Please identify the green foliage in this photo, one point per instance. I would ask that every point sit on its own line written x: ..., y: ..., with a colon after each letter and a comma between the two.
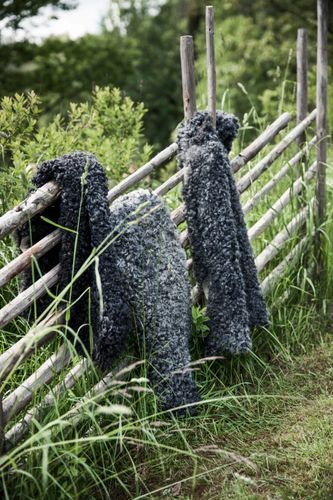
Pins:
x: 256, y: 56
x: 255, y: 47
x: 15, y: 11
x: 109, y: 127
x: 154, y: 31
x: 200, y: 320
x: 63, y: 71
x: 141, y: 58
x: 18, y: 122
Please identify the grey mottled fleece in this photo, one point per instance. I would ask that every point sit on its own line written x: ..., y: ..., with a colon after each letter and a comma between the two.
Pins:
x: 143, y: 276
x: 221, y: 251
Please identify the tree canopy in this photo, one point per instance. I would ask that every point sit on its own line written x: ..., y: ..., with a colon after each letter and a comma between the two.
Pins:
x: 255, y: 56
x: 14, y: 11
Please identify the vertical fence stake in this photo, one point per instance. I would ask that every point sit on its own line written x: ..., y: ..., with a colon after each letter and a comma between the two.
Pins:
x: 211, y: 70
x: 301, y: 95
x: 188, y: 78
x: 321, y: 102
x: 302, y: 79
x: 2, y: 430
x: 189, y: 100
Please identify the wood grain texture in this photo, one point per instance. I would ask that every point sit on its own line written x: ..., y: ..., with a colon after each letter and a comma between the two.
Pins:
x: 302, y: 80
x: 22, y: 395
x: 264, y: 138
x: 2, y: 427
x: 259, y: 195
x: 170, y: 183
x: 26, y: 298
x: 23, y: 261
x: 37, y: 336
x: 32, y: 205
x: 269, y: 159
x: 283, y: 236
x: 210, y: 57
x: 321, y: 103
x: 270, y: 281
x: 188, y: 76
x: 21, y: 428
x: 157, y: 161
x: 271, y: 214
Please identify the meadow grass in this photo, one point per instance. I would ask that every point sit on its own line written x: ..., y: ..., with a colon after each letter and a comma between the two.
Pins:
x: 262, y: 430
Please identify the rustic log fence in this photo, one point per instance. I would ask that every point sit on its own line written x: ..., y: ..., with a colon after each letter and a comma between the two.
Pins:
x: 13, y: 404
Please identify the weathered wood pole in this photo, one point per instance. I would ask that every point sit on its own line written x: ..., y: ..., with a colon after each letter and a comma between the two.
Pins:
x: 278, y: 149
x: 259, y: 195
x: 321, y: 99
x: 189, y: 98
x: 188, y: 81
x: 279, y: 205
x: 21, y: 428
x: 24, y: 393
x: 270, y: 280
x: 2, y: 425
x: 188, y: 77
x: 302, y: 79
x: 301, y: 95
x: 273, y: 248
x: 211, y: 70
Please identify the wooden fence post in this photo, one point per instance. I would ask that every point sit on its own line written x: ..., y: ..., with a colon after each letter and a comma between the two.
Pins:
x: 302, y: 79
x: 2, y: 426
x: 211, y: 71
x: 188, y: 77
x: 188, y: 81
x: 301, y: 95
x: 321, y: 103
x: 189, y: 99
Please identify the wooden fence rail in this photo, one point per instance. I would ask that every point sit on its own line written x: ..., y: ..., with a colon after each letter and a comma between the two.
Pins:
x: 259, y: 195
x: 110, y: 380
x: 21, y: 428
x: 274, y: 276
x: 26, y: 298
x: 273, y: 248
x: 279, y: 205
x: 22, y: 395
x: 266, y: 162
x: 40, y: 248
x: 37, y: 336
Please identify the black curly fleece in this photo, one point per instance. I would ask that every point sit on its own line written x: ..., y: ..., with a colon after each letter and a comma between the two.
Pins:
x: 142, y: 272
x: 75, y: 172
x: 222, y: 255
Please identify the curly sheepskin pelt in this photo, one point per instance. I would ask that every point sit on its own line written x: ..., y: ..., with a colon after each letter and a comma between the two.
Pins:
x: 138, y: 281
x: 223, y: 260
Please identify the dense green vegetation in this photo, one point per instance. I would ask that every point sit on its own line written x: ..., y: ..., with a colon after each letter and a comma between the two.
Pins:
x: 255, y: 47
x: 13, y: 12
x: 110, y: 126
x: 264, y: 427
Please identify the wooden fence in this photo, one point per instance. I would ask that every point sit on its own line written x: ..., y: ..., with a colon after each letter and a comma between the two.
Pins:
x: 13, y: 404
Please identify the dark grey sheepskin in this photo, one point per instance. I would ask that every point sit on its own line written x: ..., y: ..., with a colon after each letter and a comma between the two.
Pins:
x: 152, y: 267
x: 222, y: 255
x: 142, y: 273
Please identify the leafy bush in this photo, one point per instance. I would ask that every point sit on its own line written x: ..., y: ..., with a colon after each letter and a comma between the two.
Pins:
x: 110, y: 127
